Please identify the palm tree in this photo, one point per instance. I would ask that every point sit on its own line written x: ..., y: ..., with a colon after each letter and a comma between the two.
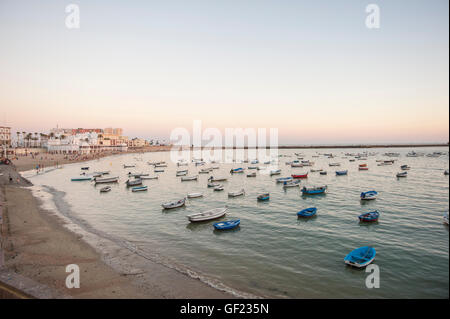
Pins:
x: 18, y: 139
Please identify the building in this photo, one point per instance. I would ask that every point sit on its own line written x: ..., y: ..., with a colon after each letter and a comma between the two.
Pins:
x: 5, y: 136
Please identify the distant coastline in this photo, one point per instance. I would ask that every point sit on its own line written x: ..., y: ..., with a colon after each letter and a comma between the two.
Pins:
x: 333, y: 146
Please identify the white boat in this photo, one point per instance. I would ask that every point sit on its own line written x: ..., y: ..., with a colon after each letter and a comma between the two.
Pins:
x: 208, y: 215
x: 275, y: 172
x: 160, y: 165
x: 217, y: 179
x: 251, y: 174
x: 205, y: 170
x: 194, y: 195
x: 106, y: 180
x: 182, y: 173
x: 334, y: 164
x: 235, y: 194
x: 189, y: 178
x: 174, y: 204
x: 213, y: 184
x: 292, y: 183
x: 158, y: 171
x: 105, y: 189
x: 219, y: 188
x: 296, y: 165
x: 149, y: 177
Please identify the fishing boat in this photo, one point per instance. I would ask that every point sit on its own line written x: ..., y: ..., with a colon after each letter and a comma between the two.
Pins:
x: 314, y: 190
x: 237, y: 170
x: 218, y: 188
x: 300, y: 175
x: 323, y: 173
x: 129, y: 166
x: 181, y: 163
x: 253, y: 167
x: 307, y: 212
x: 217, y: 179
x: 275, y: 172
x: 213, y: 184
x: 81, y: 178
x: 106, y: 180
x: 369, y: 217
x: 263, y: 197
x: 230, y: 224
x: 340, y: 173
x: 174, y: 204
x: 199, y: 163
x: 360, y: 257
x: 149, y: 177
x: 370, y: 195
x: 85, y: 168
x: 135, y: 182
x: 237, y: 193
x: 405, y: 167
x: 363, y: 168
x: 189, y: 178
x: 292, y: 183
x: 205, y: 170
x: 316, y: 170
x: 105, y: 189
x: 139, y: 188
x: 158, y: 171
x: 161, y: 165
x: 362, y: 165
x: 251, y: 174
x: 297, y: 165
x: 446, y: 218
x: 402, y: 174
x: 208, y: 215
x: 334, y: 164
x: 284, y: 179
x: 194, y: 195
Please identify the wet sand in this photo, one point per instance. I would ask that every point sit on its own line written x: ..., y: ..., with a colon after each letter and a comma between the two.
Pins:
x: 37, y: 246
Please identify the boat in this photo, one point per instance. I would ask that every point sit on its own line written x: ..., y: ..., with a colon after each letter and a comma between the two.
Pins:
x: 446, y: 172
x: 402, y: 174
x: 263, y: 197
x: 307, y: 212
x: 205, y: 170
x: 252, y: 167
x: 213, y: 184
x: 334, y: 164
x: 137, y: 175
x: 229, y: 224
x: 218, y: 188
x: 189, y: 178
x: 81, y: 178
x: 300, y: 175
x: 85, y: 168
x: 297, y: 165
x: 105, y: 189
x: 102, y: 172
x: 370, y: 195
x: 323, y: 173
x: 292, y: 183
x: 199, y: 163
x: 363, y: 168
x: 236, y: 194
x: 405, y: 167
x: 182, y: 164
x: 314, y: 190
x: 139, y: 188
x: 284, y: 179
x: 161, y: 165
x: 316, y: 170
x: 208, y: 215
x: 182, y: 172
x: 194, y: 195
x: 174, y: 204
x: 446, y: 218
x: 275, y: 172
x: 135, y: 182
x: 149, y: 177
x: 360, y: 257
x: 340, y: 173
x: 369, y: 217
x: 158, y: 171
x: 128, y: 166
x: 254, y: 161
x: 251, y: 174
x: 217, y: 179
x: 237, y: 170
x: 106, y: 180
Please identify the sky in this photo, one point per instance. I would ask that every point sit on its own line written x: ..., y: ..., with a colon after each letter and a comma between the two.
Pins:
x: 312, y: 69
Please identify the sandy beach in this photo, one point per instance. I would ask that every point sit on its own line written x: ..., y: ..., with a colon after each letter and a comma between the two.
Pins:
x: 37, y: 248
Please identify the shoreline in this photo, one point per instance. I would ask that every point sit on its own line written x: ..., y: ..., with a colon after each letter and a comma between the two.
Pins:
x: 39, y: 243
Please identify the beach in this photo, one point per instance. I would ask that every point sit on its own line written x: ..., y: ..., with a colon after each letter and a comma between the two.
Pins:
x: 37, y: 247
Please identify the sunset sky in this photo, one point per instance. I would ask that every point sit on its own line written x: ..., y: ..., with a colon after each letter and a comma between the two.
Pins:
x: 312, y: 69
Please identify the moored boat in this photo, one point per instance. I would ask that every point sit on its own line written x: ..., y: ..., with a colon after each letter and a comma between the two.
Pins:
x: 340, y: 173
x: 402, y: 174
x: 360, y: 257
x: 446, y: 218
x: 194, y: 195
x: 314, y: 190
x: 370, y: 195
x: 105, y: 189
x: 189, y: 178
x: 369, y: 217
x: 364, y: 168
x: 275, y: 172
x: 251, y: 174
x: 307, y: 212
x: 230, y: 224
x: 237, y: 193
x: 217, y: 179
x: 405, y: 167
x: 208, y: 215
x: 174, y: 204
x: 218, y: 188
x: 292, y: 183
x: 139, y: 188
x: 237, y: 170
x: 263, y: 197
x: 300, y: 175
x: 106, y: 180
x: 135, y: 182
x: 323, y: 173
x: 81, y: 178
x: 149, y: 177
x: 213, y: 184
x: 284, y: 179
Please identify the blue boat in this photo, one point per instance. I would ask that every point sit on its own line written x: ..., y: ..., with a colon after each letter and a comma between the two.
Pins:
x: 263, y: 197
x: 369, y: 217
x: 340, y: 173
x: 360, y: 257
x: 81, y: 178
x: 139, y: 188
x: 307, y: 212
x: 237, y: 170
x: 230, y: 224
x: 284, y: 179
x: 314, y: 190
x: 368, y: 195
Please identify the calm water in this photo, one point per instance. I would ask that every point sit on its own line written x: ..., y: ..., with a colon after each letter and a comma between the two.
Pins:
x: 273, y: 253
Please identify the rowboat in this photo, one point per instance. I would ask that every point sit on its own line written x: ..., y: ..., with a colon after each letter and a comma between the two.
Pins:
x: 139, y: 189
x: 405, y: 167
x: 189, y: 178
x: 369, y: 217
x: 307, y: 212
x: 300, y: 175
x: 106, y: 180
x: 174, y: 204
x: 263, y: 197
x: 323, y: 173
x: 128, y: 166
x: 314, y: 190
x: 237, y: 170
x: 316, y: 170
x: 236, y: 194
x: 135, y: 182
x: 149, y: 177
x: 137, y: 175
x: 182, y: 164
x: 253, y: 167
x: 275, y: 172
x: 199, y: 163
x: 254, y: 162
x: 284, y: 179
x: 81, y: 178
x: 370, y: 195
x: 402, y: 174
x: 218, y: 188
x: 446, y: 172
x: 102, y: 172
x: 161, y: 165
x: 446, y: 218
x: 360, y: 257
x: 364, y: 168
x: 217, y: 179
x: 340, y: 173
x: 205, y: 170
x: 208, y: 215
x: 292, y: 183
x: 158, y: 171
x: 105, y: 189
x: 194, y: 195
x: 213, y: 184
x: 251, y: 174
x: 230, y: 224
x: 334, y: 164
x: 297, y: 165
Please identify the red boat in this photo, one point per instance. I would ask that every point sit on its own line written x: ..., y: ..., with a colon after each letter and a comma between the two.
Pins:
x: 300, y: 176
x: 364, y: 168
